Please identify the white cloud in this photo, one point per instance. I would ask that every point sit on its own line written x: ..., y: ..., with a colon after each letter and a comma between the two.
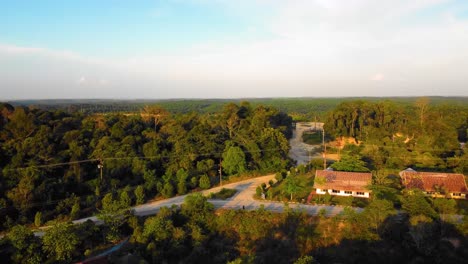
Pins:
x: 17, y: 50
x: 312, y: 45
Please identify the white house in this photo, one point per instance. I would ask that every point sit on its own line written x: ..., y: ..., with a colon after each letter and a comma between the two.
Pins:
x: 343, y: 183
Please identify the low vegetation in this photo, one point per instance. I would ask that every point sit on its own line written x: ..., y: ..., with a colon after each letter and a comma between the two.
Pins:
x: 223, y: 194
x: 312, y: 138
x: 195, y: 233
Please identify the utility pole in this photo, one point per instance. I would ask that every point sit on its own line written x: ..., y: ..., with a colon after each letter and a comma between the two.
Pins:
x: 324, y: 150
x: 220, y: 173
x: 100, y: 166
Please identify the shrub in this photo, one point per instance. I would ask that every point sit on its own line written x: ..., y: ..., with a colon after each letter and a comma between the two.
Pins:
x: 205, y: 182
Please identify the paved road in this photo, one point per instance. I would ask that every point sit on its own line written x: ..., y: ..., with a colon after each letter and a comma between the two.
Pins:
x: 243, y: 198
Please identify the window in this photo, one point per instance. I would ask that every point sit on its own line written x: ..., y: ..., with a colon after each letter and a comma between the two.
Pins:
x: 348, y: 192
x: 360, y: 193
x: 335, y: 191
x: 456, y: 194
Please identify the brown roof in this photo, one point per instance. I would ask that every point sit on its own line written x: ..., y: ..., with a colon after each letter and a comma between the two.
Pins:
x: 434, y: 182
x: 342, y: 180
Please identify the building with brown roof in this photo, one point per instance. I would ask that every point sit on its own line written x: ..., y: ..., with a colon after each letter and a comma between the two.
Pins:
x: 436, y: 184
x: 343, y: 183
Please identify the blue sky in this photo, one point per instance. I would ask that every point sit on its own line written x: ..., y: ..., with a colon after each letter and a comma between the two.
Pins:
x: 225, y: 49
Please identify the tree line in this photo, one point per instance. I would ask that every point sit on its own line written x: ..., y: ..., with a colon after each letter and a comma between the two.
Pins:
x: 61, y: 164
x: 393, y: 136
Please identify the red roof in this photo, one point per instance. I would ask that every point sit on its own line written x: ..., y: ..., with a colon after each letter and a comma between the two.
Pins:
x: 434, y: 181
x: 342, y: 180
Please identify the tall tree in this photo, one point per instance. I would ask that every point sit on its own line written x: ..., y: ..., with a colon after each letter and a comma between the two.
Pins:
x: 26, y: 245
x: 233, y: 159
x: 61, y: 241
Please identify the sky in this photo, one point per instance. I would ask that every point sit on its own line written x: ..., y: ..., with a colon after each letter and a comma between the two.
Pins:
x: 160, y: 49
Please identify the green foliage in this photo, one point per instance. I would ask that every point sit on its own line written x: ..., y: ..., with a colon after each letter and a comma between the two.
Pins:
x: 312, y: 138
x: 61, y: 241
x: 223, y: 194
x: 279, y: 176
x: 385, y: 193
x: 125, y: 199
x: 180, y: 146
x: 168, y: 190
x: 75, y: 210
x: 205, y: 182
x: 445, y: 207
x: 158, y: 228
x: 139, y: 194
x: 197, y: 208
x: 233, y: 160
x: 377, y: 211
x: 196, y: 202
x: 305, y: 260
x: 396, y: 135
x: 258, y: 191
x: 350, y: 163
x: 38, y: 219
x: 182, y: 176
x: 26, y: 245
x: 114, y: 214
x: 292, y: 185
x: 414, y: 202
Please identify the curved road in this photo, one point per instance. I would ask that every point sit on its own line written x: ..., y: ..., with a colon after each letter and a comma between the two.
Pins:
x: 244, y: 197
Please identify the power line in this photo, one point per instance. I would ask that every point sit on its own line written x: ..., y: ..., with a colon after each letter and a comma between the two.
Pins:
x: 130, y: 158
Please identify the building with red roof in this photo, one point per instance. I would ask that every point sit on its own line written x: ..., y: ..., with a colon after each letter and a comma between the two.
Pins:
x: 436, y: 184
x: 343, y: 183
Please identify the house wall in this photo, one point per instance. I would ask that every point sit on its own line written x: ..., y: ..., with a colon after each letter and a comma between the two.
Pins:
x: 463, y: 196
x: 320, y: 191
x: 341, y: 193
x: 439, y: 195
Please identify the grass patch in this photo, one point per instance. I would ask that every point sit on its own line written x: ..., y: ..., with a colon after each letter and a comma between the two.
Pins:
x: 312, y: 138
x: 277, y: 192
x: 223, y: 194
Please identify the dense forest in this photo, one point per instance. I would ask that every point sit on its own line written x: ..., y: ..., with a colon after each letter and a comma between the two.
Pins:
x: 301, y: 109
x: 61, y: 164
x: 392, y: 136
x: 58, y: 165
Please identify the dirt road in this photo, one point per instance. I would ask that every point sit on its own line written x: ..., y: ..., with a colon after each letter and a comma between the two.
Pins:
x: 299, y: 150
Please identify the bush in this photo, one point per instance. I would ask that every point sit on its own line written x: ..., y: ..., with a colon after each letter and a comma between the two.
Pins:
x: 279, y: 176
x: 271, y: 183
x: 38, y: 219
x: 258, y: 191
x: 140, y: 194
x: 224, y: 194
x: 205, y: 182
x: 168, y: 190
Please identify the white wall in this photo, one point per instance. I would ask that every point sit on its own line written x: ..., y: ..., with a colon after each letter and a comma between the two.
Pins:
x: 342, y: 193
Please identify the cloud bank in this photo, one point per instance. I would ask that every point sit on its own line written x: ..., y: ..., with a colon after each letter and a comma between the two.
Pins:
x: 312, y: 48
